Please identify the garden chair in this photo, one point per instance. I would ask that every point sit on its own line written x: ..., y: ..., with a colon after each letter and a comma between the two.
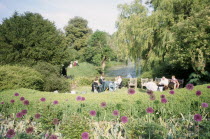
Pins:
x: 143, y: 82
x: 132, y: 83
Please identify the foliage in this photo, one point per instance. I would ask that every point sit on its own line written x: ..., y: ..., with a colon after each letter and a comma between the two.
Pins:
x: 12, y: 77
x: 28, y: 38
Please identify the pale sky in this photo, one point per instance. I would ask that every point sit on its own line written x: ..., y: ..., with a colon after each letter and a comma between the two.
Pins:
x: 101, y: 14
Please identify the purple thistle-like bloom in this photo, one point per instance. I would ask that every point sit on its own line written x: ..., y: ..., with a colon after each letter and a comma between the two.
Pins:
x: 149, y: 92
x: 12, y: 101
x: 162, y: 96
x: 16, y: 94
x: 149, y: 110
x: 24, y: 112
x: 29, y: 130
x: 85, y: 135
x: 55, y: 102
x: 197, y: 117
x: 10, y: 133
x: 53, y: 137
x: 46, y: 135
x: 124, y: 119
x: 55, y: 121
x: 79, y: 98
x: 103, y: 104
x: 37, y: 116
x: 152, y: 97
x: 19, y: 115
x: 189, y: 86
x: 22, y: 98
x: 115, y: 113
x: 2, y: 102
x: 208, y: 86
x: 83, y: 99
x: 164, y: 100
x: 204, y: 105
x: 172, y: 92
x: 131, y: 91
x: 43, y: 99
x: 92, y: 113
x: 198, y: 93
x: 26, y: 102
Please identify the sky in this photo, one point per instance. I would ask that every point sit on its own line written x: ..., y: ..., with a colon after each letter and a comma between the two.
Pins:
x: 100, y: 14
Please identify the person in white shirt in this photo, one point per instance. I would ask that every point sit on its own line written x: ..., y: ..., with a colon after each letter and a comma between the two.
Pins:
x: 164, y: 82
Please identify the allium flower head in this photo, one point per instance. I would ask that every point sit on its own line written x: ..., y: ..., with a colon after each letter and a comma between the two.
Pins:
x: 197, y: 117
x: 55, y: 102
x: 92, y: 113
x: 16, y: 94
x: 24, y: 112
x: 131, y: 91
x: 26, y: 102
x: 124, y: 119
x: 103, y: 104
x: 162, y: 96
x: 37, y: 116
x: 152, y: 97
x: 189, y: 86
x: 198, y: 93
x: 85, y: 135
x: 46, y: 135
x: 19, y: 115
x: 115, y: 113
x: 12, y: 101
x: 55, y: 121
x: 208, y: 86
x: 149, y: 110
x: 2, y: 102
x: 53, y: 137
x: 149, y: 92
x: 22, y: 98
x: 29, y: 130
x: 83, y: 99
x: 10, y: 133
x: 42, y: 99
x: 204, y: 105
x: 79, y: 98
x: 164, y: 100
x: 172, y: 92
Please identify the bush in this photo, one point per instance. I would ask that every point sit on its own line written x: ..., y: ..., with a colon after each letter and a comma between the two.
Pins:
x: 12, y: 77
x: 52, y: 78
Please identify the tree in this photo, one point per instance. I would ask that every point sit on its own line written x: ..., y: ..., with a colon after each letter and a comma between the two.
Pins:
x: 28, y: 38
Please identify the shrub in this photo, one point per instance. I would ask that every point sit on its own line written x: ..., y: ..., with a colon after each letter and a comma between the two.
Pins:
x: 12, y: 77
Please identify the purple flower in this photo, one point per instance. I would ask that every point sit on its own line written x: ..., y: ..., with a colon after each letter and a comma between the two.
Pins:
x: 197, y: 117
x: 10, y: 133
x: 22, y: 98
x: 198, y: 93
x: 16, y: 94
x: 55, y: 102
x: 171, y: 92
x: 79, y: 98
x: 115, y: 113
x: 131, y: 91
x: 46, y: 135
x: 92, y: 113
x: 12, y: 101
x: 2, y: 102
x: 189, y: 86
x: 19, y: 115
x: 152, y: 97
x: 103, y: 104
x: 85, y: 135
x: 204, y: 105
x: 149, y: 110
x: 149, y: 92
x: 83, y: 99
x: 53, y: 137
x: 55, y: 121
x: 24, y: 112
x: 164, y: 100
x: 37, y: 116
x: 26, y: 102
x: 124, y: 119
x: 208, y: 86
x: 162, y: 96
x: 29, y: 130
x: 42, y: 99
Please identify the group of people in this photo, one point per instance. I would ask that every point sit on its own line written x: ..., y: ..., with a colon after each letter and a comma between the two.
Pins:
x: 100, y: 84
x: 73, y: 64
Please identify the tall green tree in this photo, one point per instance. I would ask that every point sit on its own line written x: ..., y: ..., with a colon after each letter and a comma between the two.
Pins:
x: 29, y: 38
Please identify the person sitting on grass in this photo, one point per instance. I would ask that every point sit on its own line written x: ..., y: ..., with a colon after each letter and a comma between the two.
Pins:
x: 96, y: 85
